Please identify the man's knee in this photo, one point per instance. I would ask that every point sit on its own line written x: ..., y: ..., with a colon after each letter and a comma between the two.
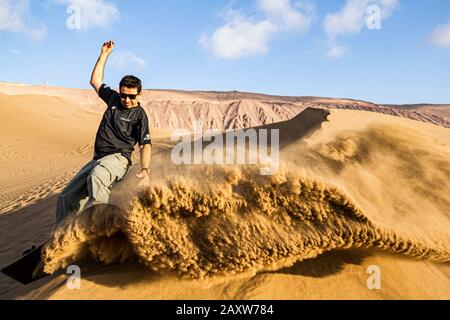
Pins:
x: 100, y: 175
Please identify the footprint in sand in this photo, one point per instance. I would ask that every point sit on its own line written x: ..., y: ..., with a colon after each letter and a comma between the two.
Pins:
x: 39, y: 192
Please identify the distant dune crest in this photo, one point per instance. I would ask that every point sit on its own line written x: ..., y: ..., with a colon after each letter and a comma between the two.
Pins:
x: 177, y: 109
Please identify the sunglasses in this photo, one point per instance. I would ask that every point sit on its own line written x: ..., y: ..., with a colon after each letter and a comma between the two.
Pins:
x: 124, y: 96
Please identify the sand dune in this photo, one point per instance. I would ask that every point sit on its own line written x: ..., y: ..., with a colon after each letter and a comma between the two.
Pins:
x: 176, y: 109
x: 355, y: 189
x: 42, y: 137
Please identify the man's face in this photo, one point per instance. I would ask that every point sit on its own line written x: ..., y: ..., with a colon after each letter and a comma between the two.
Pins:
x: 129, y: 97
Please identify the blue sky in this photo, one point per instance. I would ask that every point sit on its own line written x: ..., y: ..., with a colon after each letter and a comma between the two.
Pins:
x: 285, y: 47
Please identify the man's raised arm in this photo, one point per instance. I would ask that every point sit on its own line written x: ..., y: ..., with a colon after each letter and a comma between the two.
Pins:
x: 98, y: 73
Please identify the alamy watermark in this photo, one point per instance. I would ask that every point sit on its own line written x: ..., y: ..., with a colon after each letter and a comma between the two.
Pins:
x: 74, y: 280
x: 73, y: 22
x: 374, y: 279
x: 373, y: 17
x: 243, y: 146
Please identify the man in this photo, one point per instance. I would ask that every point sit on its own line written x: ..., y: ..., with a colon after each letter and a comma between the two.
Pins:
x: 124, y: 124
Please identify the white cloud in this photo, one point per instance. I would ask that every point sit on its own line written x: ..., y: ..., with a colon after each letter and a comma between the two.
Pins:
x: 16, y: 16
x: 337, y: 51
x: 240, y: 37
x: 287, y: 15
x: 441, y: 36
x: 352, y: 19
x: 11, y: 16
x: 127, y: 60
x: 243, y: 36
x: 93, y: 13
x: 38, y: 33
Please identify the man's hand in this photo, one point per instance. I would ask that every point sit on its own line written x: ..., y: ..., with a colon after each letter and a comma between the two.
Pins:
x: 108, y: 47
x: 99, y: 69
x: 144, y: 176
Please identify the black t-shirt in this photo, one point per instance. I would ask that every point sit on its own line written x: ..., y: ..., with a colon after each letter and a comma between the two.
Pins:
x: 121, y: 128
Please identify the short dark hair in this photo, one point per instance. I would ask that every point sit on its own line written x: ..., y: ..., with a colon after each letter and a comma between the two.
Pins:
x: 131, y: 82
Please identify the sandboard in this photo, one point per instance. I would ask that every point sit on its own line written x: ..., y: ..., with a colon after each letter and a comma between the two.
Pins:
x: 26, y: 269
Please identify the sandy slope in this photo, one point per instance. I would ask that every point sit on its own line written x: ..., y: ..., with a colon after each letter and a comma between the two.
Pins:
x: 42, y: 137
x: 391, y: 174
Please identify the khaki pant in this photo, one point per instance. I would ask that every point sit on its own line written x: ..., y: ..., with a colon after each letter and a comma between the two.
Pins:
x: 91, y: 185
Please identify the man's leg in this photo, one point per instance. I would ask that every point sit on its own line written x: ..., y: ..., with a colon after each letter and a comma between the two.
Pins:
x: 106, y: 172
x: 72, y: 197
